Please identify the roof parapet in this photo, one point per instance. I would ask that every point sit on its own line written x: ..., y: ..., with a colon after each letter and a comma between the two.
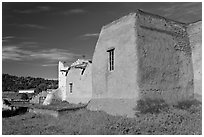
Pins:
x: 141, y: 12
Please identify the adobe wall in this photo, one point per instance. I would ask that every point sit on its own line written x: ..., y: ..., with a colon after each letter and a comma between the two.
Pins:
x: 82, y: 85
x: 195, y: 36
x: 62, y: 81
x: 115, y: 91
x: 152, y: 60
x: 121, y: 36
x: 164, y: 55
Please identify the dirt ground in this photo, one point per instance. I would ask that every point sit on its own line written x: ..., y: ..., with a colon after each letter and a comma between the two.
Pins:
x: 172, y: 121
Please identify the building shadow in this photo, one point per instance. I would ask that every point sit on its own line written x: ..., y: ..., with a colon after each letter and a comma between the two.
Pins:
x: 14, y: 112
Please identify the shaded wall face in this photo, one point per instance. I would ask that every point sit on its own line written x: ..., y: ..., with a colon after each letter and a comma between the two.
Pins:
x: 195, y: 37
x: 120, y: 82
x: 79, y: 86
x: 164, y: 55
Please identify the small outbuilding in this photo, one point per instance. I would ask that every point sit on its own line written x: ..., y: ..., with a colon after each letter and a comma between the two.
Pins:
x: 27, y: 91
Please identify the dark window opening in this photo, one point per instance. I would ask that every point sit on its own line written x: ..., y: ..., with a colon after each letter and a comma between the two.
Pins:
x: 82, y: 72
x: 70, y: 87
x: 111, y: 59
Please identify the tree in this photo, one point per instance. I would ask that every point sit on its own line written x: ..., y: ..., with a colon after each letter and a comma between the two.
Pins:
x: 40, y: 88
x: 14, y: 83
x: 24, y: 96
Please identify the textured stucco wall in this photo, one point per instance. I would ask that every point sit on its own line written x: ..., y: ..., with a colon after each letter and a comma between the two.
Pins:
x: 62, y: 81
x: 195, y: 36
x: 121, y: 36
x: 118, y: 85
x: 164, y: 55
x: 81, y: 85
x: 152, y: 60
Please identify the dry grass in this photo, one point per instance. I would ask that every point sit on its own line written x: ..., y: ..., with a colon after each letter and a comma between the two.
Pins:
x: 173, y: 121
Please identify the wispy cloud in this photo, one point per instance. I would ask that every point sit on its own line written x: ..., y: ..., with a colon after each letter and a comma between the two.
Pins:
x: 7, y: 38
x: 89, y: 35
x: 17, y: 53
x: 74, y: 11
x: 184, y: 12
x: 14, y: 53
x: 29, y: 43
x: 49, y: 65
x: 34, y: 10
x: 34, y: 26
x: 53, y: 55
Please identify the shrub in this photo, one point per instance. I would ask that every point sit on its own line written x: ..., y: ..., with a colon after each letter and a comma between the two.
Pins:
x: 151, y: 106
x: 187, y: 104
x: 41, y: 87
x: 24, y: 96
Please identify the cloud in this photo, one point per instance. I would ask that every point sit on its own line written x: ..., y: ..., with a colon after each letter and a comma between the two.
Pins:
x: 44, y: 8
x: 34, y: 10
x: 13, y: 53
x: 7, y: 38
x: 17, y: 53
x: 89, y: 35
x: 53, y: 55
x: 183, y: 12
x: 74, y: 11
x: 49, y: 65
x: 33, y: 26
x: 29, y: 43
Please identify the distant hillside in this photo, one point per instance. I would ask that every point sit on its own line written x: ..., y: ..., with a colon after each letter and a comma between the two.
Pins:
x: 14, y: 83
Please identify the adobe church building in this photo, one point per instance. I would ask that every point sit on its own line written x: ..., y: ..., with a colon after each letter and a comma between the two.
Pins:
x: 75, y: 82
x: 141, y: 56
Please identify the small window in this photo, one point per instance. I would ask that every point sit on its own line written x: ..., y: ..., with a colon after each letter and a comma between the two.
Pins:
x: 82, y: 72
x: 111, y: 59
x: 70, y: 87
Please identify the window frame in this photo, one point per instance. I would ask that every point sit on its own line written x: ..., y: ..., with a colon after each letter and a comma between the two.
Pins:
x: 111, y: 59
x: 70, y: 87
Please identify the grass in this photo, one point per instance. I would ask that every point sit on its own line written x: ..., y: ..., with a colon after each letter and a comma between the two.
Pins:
x: 151, y: 106
x: 174, y: 120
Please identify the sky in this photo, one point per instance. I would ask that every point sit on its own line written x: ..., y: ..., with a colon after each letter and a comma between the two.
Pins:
x: 36, y: 35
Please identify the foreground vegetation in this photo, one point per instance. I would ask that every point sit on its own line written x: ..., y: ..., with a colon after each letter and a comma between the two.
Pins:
x: 186, y: 118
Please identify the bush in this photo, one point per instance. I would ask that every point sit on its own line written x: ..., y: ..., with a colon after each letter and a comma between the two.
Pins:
x: 187, y: 104
x: 24, y: 96
x: 40, y: 88
x: 151, y: 106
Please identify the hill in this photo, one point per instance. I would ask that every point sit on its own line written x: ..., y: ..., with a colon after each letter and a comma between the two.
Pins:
x: 15, y: 83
